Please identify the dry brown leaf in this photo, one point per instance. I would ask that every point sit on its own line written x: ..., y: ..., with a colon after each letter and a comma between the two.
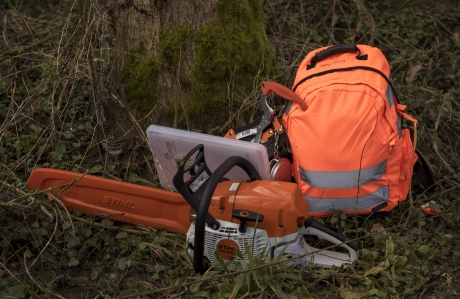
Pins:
x: 378, y: 228
x: 412, y: 72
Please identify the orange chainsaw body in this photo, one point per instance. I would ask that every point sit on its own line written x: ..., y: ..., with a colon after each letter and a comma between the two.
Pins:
x: 281, y: 203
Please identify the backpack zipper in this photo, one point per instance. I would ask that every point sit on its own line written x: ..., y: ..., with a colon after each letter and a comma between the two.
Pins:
x: 349, y: 69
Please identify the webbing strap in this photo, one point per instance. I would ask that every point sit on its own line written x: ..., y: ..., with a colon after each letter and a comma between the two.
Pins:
x: 284, y: 92
x: 400, y: 109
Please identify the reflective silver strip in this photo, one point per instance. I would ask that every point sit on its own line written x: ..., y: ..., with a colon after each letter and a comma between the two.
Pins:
x: 288, y: 108
x: 360, y: 203
x: 399, y: 124
x: 389, y: 95
x: 342, y: 179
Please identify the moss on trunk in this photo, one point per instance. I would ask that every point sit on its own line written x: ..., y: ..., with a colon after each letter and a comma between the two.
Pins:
x: 194, y: 74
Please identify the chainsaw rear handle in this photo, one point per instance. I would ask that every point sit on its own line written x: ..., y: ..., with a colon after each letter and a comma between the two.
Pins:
x: 313, y: 227
x: 350, y: 48
x: 199, y: 264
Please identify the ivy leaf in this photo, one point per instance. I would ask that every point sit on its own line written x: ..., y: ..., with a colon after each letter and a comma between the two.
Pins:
x: 96, y: 168
x: 423, y: 249
x: 95, y: 273
x: 122, y: 263
x: 106, y: 223
x: 121, y: 235
x: 67, y: 135
x: 16, y: 291
x: 66, y: 225
x: 87, y: 232
x: 104, y: 236
x: 375, y: 270
x: 73, y: 262
x: 160, y: 240
x: 71, y: 241
x: 41, y: 231
x: 347, y: 294
x: 224, y: 288
x: 378, y: 293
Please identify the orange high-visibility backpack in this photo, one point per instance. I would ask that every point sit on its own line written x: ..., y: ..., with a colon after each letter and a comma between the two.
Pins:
x: 344, y: 124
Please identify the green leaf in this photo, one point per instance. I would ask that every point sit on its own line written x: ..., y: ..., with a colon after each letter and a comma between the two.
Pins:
x: 104, y: 236
x: 375, y: 270
x: 156, y: 276
x: 122, y: 263
x: 106, y: 223
x: 390, y: 247
x: 41, y: 231
x: 68, y: 134
x: 160, y: 240
x: 71, y: 241
x: 121, y: 235
x: 423, y: 249
x: 96, y: 168
x: 73, y: 262
x: 95, y: 273
x: 45, y: 65
x: 35, y: 225
x: 87, y: 232
x: 221, y: 262
x: 133, y: 178
x: 186, y: 257
x: 224, y: 288
x: 66, y: 225
x: 347, y: 294
x: 16, y: 291
x: 401, y: 261
x: 61, y: 148
x: 378, y: 293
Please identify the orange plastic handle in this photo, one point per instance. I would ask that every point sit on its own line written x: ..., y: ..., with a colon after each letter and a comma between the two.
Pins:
x: 284, y: 92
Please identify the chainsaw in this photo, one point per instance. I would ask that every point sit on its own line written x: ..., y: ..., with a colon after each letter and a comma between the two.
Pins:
x: 214, y: 213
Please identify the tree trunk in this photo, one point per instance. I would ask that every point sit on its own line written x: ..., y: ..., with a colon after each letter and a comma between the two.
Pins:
x: 191, y: 64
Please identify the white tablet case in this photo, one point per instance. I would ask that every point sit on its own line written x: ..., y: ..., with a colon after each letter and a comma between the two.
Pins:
x: 171, y: 145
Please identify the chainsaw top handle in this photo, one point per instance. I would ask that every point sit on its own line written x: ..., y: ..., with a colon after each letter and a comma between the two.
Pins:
x: 198, y: 262
x: 192, y: 188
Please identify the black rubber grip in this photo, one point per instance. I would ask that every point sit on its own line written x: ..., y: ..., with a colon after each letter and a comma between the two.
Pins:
x: 350, y: 48
x: 311, y: 222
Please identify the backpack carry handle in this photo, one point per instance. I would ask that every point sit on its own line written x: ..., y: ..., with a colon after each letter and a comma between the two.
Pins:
x: 350, y: 48
x: 284, y: 92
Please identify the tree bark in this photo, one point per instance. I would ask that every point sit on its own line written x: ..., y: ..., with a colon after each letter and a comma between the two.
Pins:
x: 191, y: 63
